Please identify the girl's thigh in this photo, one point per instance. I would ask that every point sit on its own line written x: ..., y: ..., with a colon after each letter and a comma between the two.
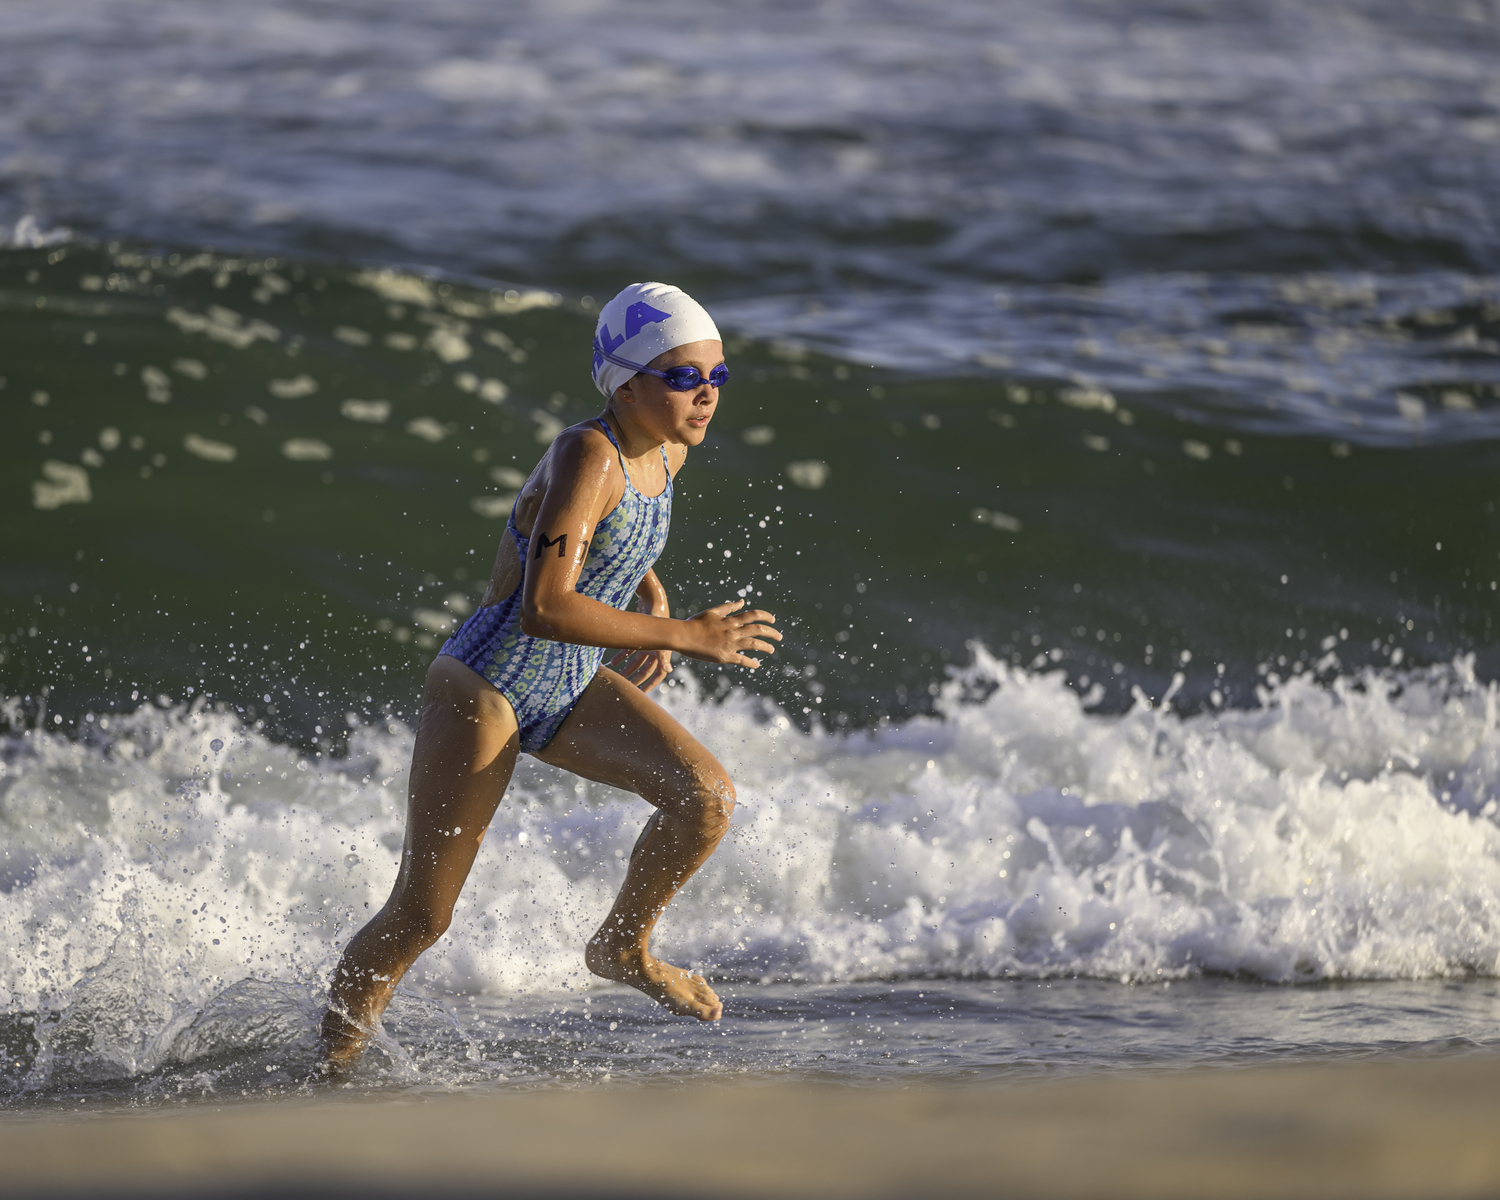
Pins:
x: 466, y: 749
x: 618, y: 735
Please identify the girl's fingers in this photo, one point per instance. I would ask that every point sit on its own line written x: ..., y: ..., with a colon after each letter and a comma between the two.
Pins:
x: 654, y: 678
x: 654, y: 668
x: 638, y: 666
x: 626, y: 662
x: 754, y: 635
x: 765, y: 647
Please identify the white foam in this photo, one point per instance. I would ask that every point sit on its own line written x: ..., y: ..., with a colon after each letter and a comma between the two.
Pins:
x: 1342, y: 830
x: 28, y: 234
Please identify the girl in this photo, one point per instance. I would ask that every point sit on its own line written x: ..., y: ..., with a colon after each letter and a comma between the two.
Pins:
x: 524, y: 673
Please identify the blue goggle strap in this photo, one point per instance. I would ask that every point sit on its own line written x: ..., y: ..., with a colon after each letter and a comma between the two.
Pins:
x: 601, y: 352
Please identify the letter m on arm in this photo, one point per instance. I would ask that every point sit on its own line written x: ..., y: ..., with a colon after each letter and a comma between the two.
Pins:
x: 543, y: 542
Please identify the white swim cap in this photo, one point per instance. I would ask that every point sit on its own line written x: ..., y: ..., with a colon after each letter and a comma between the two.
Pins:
x: 644, y: 320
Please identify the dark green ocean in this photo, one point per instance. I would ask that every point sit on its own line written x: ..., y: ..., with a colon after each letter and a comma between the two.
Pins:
x: 251, y: 477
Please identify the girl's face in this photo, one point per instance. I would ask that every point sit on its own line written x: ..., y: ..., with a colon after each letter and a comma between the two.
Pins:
x: 678, y: 417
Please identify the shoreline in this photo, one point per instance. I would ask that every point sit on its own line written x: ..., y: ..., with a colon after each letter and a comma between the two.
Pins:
x: 1394, y: 1128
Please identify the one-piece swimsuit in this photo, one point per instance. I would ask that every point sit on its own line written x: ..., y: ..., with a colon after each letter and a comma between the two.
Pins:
x: 543, y: 679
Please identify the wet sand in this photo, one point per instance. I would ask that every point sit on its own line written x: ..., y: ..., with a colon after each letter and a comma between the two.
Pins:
x: 1410, y: 1128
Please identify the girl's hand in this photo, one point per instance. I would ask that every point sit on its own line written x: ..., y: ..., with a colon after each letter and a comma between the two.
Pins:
x: 644, y: 668
x: 723, y: 634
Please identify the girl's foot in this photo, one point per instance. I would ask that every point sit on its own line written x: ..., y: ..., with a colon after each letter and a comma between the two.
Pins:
x: 682, y: 994
x: 342, y: 1042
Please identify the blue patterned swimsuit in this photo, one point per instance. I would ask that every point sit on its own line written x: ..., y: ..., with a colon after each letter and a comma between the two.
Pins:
x: 543, y: 679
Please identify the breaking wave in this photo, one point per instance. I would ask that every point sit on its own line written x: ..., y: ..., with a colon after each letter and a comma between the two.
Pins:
x: 162, y: 862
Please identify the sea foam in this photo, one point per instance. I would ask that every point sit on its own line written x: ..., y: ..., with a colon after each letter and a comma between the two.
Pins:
x: 1342, y: 828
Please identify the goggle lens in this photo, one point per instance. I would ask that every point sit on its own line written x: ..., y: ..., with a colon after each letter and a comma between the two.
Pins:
x: 685, y: 379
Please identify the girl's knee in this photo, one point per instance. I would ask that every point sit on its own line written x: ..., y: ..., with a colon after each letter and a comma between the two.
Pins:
x: 713, y: 803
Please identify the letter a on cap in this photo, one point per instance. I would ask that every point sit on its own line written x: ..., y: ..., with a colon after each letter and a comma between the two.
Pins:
x: 639, y: 315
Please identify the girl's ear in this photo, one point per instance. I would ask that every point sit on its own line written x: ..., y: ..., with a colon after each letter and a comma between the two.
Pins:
x: 626, y: 392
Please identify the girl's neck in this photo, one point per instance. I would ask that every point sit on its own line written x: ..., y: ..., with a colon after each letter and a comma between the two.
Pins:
x: 635, y: 443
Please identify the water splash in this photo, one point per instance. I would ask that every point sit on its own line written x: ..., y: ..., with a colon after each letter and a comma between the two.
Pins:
x: 171, y: 902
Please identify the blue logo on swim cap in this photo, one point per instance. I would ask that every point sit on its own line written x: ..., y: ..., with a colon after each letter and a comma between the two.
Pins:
x: 638, y: 316
x: 610, y: 344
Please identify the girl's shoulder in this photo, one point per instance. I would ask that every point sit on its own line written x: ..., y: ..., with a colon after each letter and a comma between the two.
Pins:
x: 582, y: 459
x: 582, y: 446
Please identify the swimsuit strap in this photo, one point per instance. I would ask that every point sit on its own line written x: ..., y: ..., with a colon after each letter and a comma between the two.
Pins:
x: 666, y: 463
x: 620, y: 454
x: 510, y: 523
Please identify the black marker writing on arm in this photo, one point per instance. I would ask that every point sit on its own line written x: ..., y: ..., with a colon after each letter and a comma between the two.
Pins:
x: 543, y: 542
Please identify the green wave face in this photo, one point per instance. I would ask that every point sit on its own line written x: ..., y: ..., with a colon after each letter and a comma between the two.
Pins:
x: 256, y: 478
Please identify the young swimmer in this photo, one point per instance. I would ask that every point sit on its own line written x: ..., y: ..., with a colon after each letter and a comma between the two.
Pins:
x: 524, y: 673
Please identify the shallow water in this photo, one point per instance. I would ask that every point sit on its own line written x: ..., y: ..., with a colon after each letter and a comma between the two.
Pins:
x: 255, y: 1040
x: 1112, y: 428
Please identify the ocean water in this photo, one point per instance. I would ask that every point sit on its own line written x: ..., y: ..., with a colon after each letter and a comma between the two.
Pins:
x: 1112, y: 428
x: 1010, y: 887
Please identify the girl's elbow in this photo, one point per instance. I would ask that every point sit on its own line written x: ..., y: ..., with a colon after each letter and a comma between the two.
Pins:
x: 534, y: 622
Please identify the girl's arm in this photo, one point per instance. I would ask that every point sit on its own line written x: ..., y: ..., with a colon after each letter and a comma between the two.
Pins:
x: 647, y: 668
x: 652, y: 596
x: 579, y: 490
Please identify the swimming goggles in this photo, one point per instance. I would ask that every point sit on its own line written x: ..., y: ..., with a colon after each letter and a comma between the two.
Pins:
x: 679, y: 379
